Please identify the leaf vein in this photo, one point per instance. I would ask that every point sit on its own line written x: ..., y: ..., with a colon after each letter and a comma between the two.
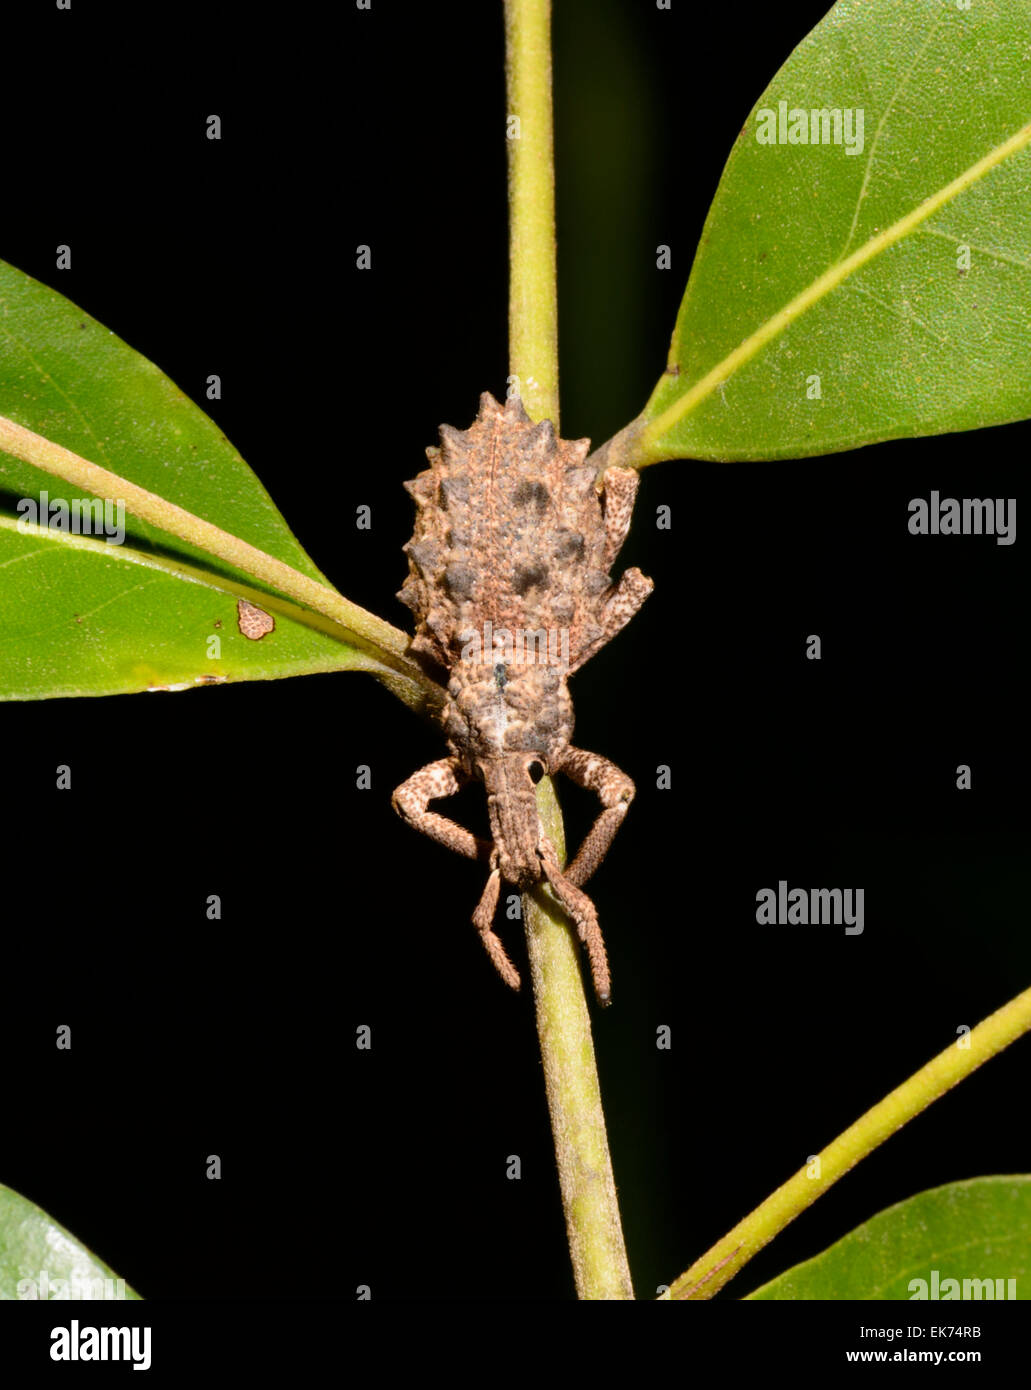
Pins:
x: 880, y: 127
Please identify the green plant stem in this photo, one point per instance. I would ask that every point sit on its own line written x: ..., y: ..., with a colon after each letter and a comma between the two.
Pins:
x: 533, y: 286
x: 588, y: 1188
x: 368, y: 632
x: 571, y: 1080
x: 718, y: 1265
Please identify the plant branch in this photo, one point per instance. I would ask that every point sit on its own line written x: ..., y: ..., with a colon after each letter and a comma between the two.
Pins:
x: 571, y: 1079
x: 533, y: 291
x: 563, y: 1022
x: 373, y: 635
x: 709, y: 1274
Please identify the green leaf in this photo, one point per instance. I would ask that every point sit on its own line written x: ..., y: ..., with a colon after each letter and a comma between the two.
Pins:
x: 845, y: 274
x: 33, y: 1245
x: 82, y: 616
x: 970, y: 1231
x: 69, y: 378
x: 85, y: 618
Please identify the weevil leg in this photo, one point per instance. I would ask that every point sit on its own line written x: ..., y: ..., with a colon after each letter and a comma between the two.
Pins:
x: 615, y: 791
x: 623, y: 601
x: 483, y: 921
x: 411, y: 801
x: 585, y: 919
x: 618, y: 492
x: 430, y: 783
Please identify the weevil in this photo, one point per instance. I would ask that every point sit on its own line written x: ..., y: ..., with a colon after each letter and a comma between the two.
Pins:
x: 509, y: 581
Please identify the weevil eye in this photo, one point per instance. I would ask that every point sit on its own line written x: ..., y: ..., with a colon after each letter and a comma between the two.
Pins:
x: 536, y: 770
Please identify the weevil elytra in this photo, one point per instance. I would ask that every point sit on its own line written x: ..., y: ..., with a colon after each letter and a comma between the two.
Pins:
x: 509, y: 582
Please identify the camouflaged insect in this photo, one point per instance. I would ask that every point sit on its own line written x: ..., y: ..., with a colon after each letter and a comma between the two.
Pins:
x: 509, y: 582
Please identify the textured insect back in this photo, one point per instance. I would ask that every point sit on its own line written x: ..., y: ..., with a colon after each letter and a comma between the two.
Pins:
x: 425, y: 551
x: 476, y: 553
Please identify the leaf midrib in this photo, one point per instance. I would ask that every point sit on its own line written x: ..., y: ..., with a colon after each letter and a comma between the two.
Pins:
x: 648, y: 447
x: 175, y: 569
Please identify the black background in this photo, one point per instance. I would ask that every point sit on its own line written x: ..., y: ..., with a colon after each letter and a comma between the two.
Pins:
x: 387, y: 1168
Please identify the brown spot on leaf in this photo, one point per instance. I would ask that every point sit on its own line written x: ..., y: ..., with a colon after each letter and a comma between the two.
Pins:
x: 253, y: 621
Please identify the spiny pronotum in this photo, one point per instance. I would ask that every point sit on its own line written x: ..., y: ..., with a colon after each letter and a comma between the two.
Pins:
x: 509, y: 581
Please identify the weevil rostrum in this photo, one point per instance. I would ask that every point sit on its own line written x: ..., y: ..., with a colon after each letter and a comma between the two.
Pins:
x: 509, y: 582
